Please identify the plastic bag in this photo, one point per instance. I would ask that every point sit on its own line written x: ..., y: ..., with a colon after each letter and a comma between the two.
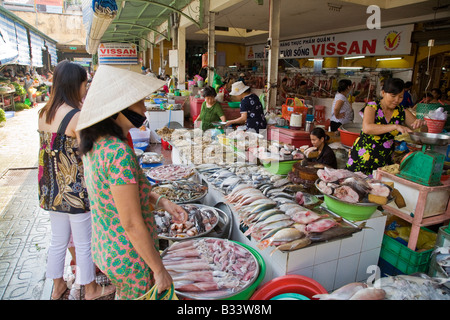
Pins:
x: 152, y: 294
x: 438, y: 114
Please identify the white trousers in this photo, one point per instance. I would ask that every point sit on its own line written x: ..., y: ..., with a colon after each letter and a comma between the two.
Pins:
x: 63, y: 225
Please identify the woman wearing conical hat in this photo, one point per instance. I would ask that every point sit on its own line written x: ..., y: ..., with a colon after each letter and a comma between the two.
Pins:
x: 124, y: 235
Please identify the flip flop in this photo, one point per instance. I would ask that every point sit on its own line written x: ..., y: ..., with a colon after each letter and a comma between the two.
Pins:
x: 103, y: 294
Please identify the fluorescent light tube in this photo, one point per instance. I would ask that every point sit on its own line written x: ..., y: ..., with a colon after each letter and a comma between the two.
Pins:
x: 351, y: 68
x: 386, y: 59
x: 315, y: 59
x: 355, y: 57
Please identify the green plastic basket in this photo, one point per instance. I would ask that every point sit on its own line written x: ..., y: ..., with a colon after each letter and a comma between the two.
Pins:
x: 353, y: 212
x: 281, y: 167
x: 404, y: 259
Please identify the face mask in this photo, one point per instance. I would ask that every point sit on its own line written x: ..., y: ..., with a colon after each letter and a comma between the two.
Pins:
x: 135, y: 118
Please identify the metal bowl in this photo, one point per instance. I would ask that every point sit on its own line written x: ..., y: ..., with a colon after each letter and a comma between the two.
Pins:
x: 430, y: 138
x: 215, y: 210
x: 173, y: 184
x: 352, y: 127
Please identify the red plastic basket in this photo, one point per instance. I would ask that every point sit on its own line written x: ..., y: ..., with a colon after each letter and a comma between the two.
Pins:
x: 289, y: 284
x: 289, y: 108
x: 435, y: 126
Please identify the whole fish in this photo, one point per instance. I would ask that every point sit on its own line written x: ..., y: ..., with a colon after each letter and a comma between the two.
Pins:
x: 321, y: 225
x: 272, y: 219
x: 303, y: 216
x: 265, y: 214
x: 369, y: 294
x: 293, y: 245
x: 283, y: 235
x: 335, y: 233
x: 343, y: 293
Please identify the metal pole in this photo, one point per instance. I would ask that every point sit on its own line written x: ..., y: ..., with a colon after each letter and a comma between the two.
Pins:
x: 274, y: 52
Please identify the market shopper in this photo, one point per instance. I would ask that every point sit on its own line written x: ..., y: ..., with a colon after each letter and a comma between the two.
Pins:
x: 382, y: 121
x: 341, y: 112
x: 252, y: 112
x: 62, y: 190
x: 124, y: 236
x: 211, y: 110
x: 319, y: 140
x: 28, y: 85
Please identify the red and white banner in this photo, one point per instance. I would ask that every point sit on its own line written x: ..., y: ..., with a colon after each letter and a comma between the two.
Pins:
x: 117, y: 53
x: 376, y: 42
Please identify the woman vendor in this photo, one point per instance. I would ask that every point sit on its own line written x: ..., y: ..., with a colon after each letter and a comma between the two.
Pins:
x: 326, y: 154
x: 382, y: 121
x: 211, y: 110
x: 252, y: 113
x: 342, y: 111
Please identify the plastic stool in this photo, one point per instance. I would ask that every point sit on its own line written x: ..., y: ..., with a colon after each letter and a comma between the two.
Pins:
x: 319, y: 114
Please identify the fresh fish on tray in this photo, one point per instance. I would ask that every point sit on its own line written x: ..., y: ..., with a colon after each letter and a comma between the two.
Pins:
x: 171, y: 172
x: 201, y: 220
x: 181, y: 191
x: 211, y: 268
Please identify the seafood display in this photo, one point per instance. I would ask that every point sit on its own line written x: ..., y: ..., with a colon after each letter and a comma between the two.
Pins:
x: 181, y: 191
x: 170, y: 172
x: 275, y: 151
x: 201, y: 220
x: 151, y: 157
x: 209, y: 268
x: 352, y: 187
x: 401, y: 287
x: 274, y: 211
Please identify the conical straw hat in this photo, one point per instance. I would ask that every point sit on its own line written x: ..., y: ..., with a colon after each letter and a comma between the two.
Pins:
x: 113, y: 90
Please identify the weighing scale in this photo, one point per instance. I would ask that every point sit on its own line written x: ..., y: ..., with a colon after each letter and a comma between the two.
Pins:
x: 425, y: 166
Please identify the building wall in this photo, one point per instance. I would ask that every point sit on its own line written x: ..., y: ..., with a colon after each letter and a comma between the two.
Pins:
x: 66, y: 29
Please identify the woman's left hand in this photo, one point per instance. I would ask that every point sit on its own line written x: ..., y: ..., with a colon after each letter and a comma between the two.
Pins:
x: 418, y: 123
x: 179, y: 215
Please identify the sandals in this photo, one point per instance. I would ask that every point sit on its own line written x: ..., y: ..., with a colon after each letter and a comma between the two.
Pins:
x: 62, y: 296
x: 104, y: 293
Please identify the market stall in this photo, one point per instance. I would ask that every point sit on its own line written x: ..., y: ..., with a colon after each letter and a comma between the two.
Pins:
x: 329, y: 225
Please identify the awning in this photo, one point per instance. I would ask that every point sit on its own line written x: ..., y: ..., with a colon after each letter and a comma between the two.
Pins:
x: 37, y: 43
x: 8, y: 48
x: 17, y: 30
x: 135, y: 20
x: 22, y: 45
x: 52, y: 50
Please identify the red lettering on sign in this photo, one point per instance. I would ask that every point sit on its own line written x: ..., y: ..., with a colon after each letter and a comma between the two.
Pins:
x: 331, y: 48
x: 315, y: 49
x: 341, y: 48
x: 354, y: 48
x: 369, y: 47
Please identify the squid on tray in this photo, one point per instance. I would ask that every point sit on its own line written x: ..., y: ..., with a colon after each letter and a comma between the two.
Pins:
x: 209, y: 268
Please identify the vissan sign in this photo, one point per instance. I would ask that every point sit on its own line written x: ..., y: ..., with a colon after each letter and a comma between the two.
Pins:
x: 377, y: 42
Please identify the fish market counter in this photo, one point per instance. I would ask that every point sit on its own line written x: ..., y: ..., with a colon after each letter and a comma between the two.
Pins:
x: 333, y: 264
